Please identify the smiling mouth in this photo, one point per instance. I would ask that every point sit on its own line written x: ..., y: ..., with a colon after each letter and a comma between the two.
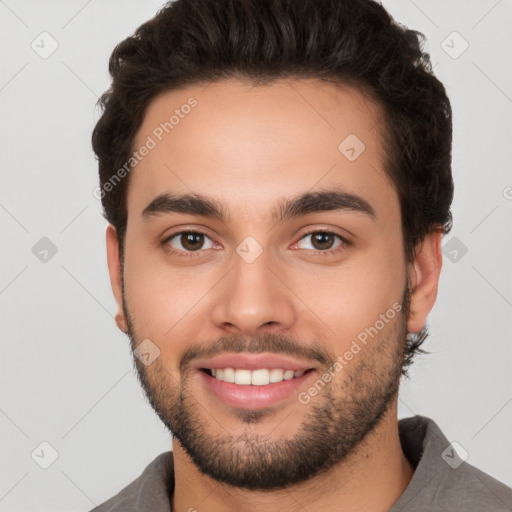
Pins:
x: 258, y: 377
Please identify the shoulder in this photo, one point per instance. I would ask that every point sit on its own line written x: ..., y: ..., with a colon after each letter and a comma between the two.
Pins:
x: 150, y: 491
x: 443, y: 479
x: 476, y: 490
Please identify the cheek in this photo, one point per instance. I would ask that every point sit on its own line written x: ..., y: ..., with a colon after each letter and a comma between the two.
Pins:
x: 162, y: 300
x: 352, y: 296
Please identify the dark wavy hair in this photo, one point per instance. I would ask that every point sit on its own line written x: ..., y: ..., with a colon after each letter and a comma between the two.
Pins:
x: 346, y: 42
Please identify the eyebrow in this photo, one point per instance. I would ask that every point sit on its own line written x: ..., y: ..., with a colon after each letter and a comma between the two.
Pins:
x: 304, y: 204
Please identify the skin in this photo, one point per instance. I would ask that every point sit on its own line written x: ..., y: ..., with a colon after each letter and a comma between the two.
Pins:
x: 249, y: 147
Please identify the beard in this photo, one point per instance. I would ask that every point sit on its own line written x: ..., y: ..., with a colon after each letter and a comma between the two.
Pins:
x: 339, y: 419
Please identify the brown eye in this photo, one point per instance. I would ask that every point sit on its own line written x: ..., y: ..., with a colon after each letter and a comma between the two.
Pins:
x: 192, y: 241
x: 323, y: 241
x: 188, y: 241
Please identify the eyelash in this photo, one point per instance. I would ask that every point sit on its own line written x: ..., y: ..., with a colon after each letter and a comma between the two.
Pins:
x: 190, y: 254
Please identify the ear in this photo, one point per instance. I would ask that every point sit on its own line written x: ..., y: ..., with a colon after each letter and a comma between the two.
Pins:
x: 114, y: 269
x: 423, y: 275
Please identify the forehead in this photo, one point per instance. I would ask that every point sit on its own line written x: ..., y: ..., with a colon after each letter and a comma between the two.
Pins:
x: 247, y: 144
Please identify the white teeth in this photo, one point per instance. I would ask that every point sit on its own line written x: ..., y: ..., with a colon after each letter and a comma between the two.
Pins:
x: 242, y: 377
x: 260, y: 377
x: 276, y: 375
x: 229, y: 375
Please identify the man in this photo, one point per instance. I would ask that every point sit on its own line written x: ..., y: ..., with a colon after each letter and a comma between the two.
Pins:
x: 277, y: 178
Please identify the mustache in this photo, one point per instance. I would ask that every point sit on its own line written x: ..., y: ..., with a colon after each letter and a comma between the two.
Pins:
x: 271, y: 343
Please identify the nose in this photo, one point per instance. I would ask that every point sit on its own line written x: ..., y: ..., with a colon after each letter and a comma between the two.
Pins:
x: 254, y: 298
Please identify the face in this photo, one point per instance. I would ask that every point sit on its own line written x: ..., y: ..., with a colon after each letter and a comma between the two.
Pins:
x: 264, y: 279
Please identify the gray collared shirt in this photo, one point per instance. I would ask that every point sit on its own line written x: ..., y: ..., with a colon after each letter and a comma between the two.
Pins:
x: 441, y: 480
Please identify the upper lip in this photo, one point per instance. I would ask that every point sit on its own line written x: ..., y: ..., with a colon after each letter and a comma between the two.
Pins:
x: 252, y: 362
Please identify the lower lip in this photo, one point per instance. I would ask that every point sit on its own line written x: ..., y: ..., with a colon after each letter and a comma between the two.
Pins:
x: 250, y: 396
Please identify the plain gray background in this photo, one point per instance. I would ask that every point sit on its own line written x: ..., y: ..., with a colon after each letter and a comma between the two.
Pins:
x: 66, y: 370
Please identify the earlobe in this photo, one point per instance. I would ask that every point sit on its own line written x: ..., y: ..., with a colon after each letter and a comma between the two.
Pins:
x: 114, y: 269
x: 121, y: 322
x: 424, y: 274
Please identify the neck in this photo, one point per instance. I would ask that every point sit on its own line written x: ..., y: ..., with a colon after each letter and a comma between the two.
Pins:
x: 371, y: 478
